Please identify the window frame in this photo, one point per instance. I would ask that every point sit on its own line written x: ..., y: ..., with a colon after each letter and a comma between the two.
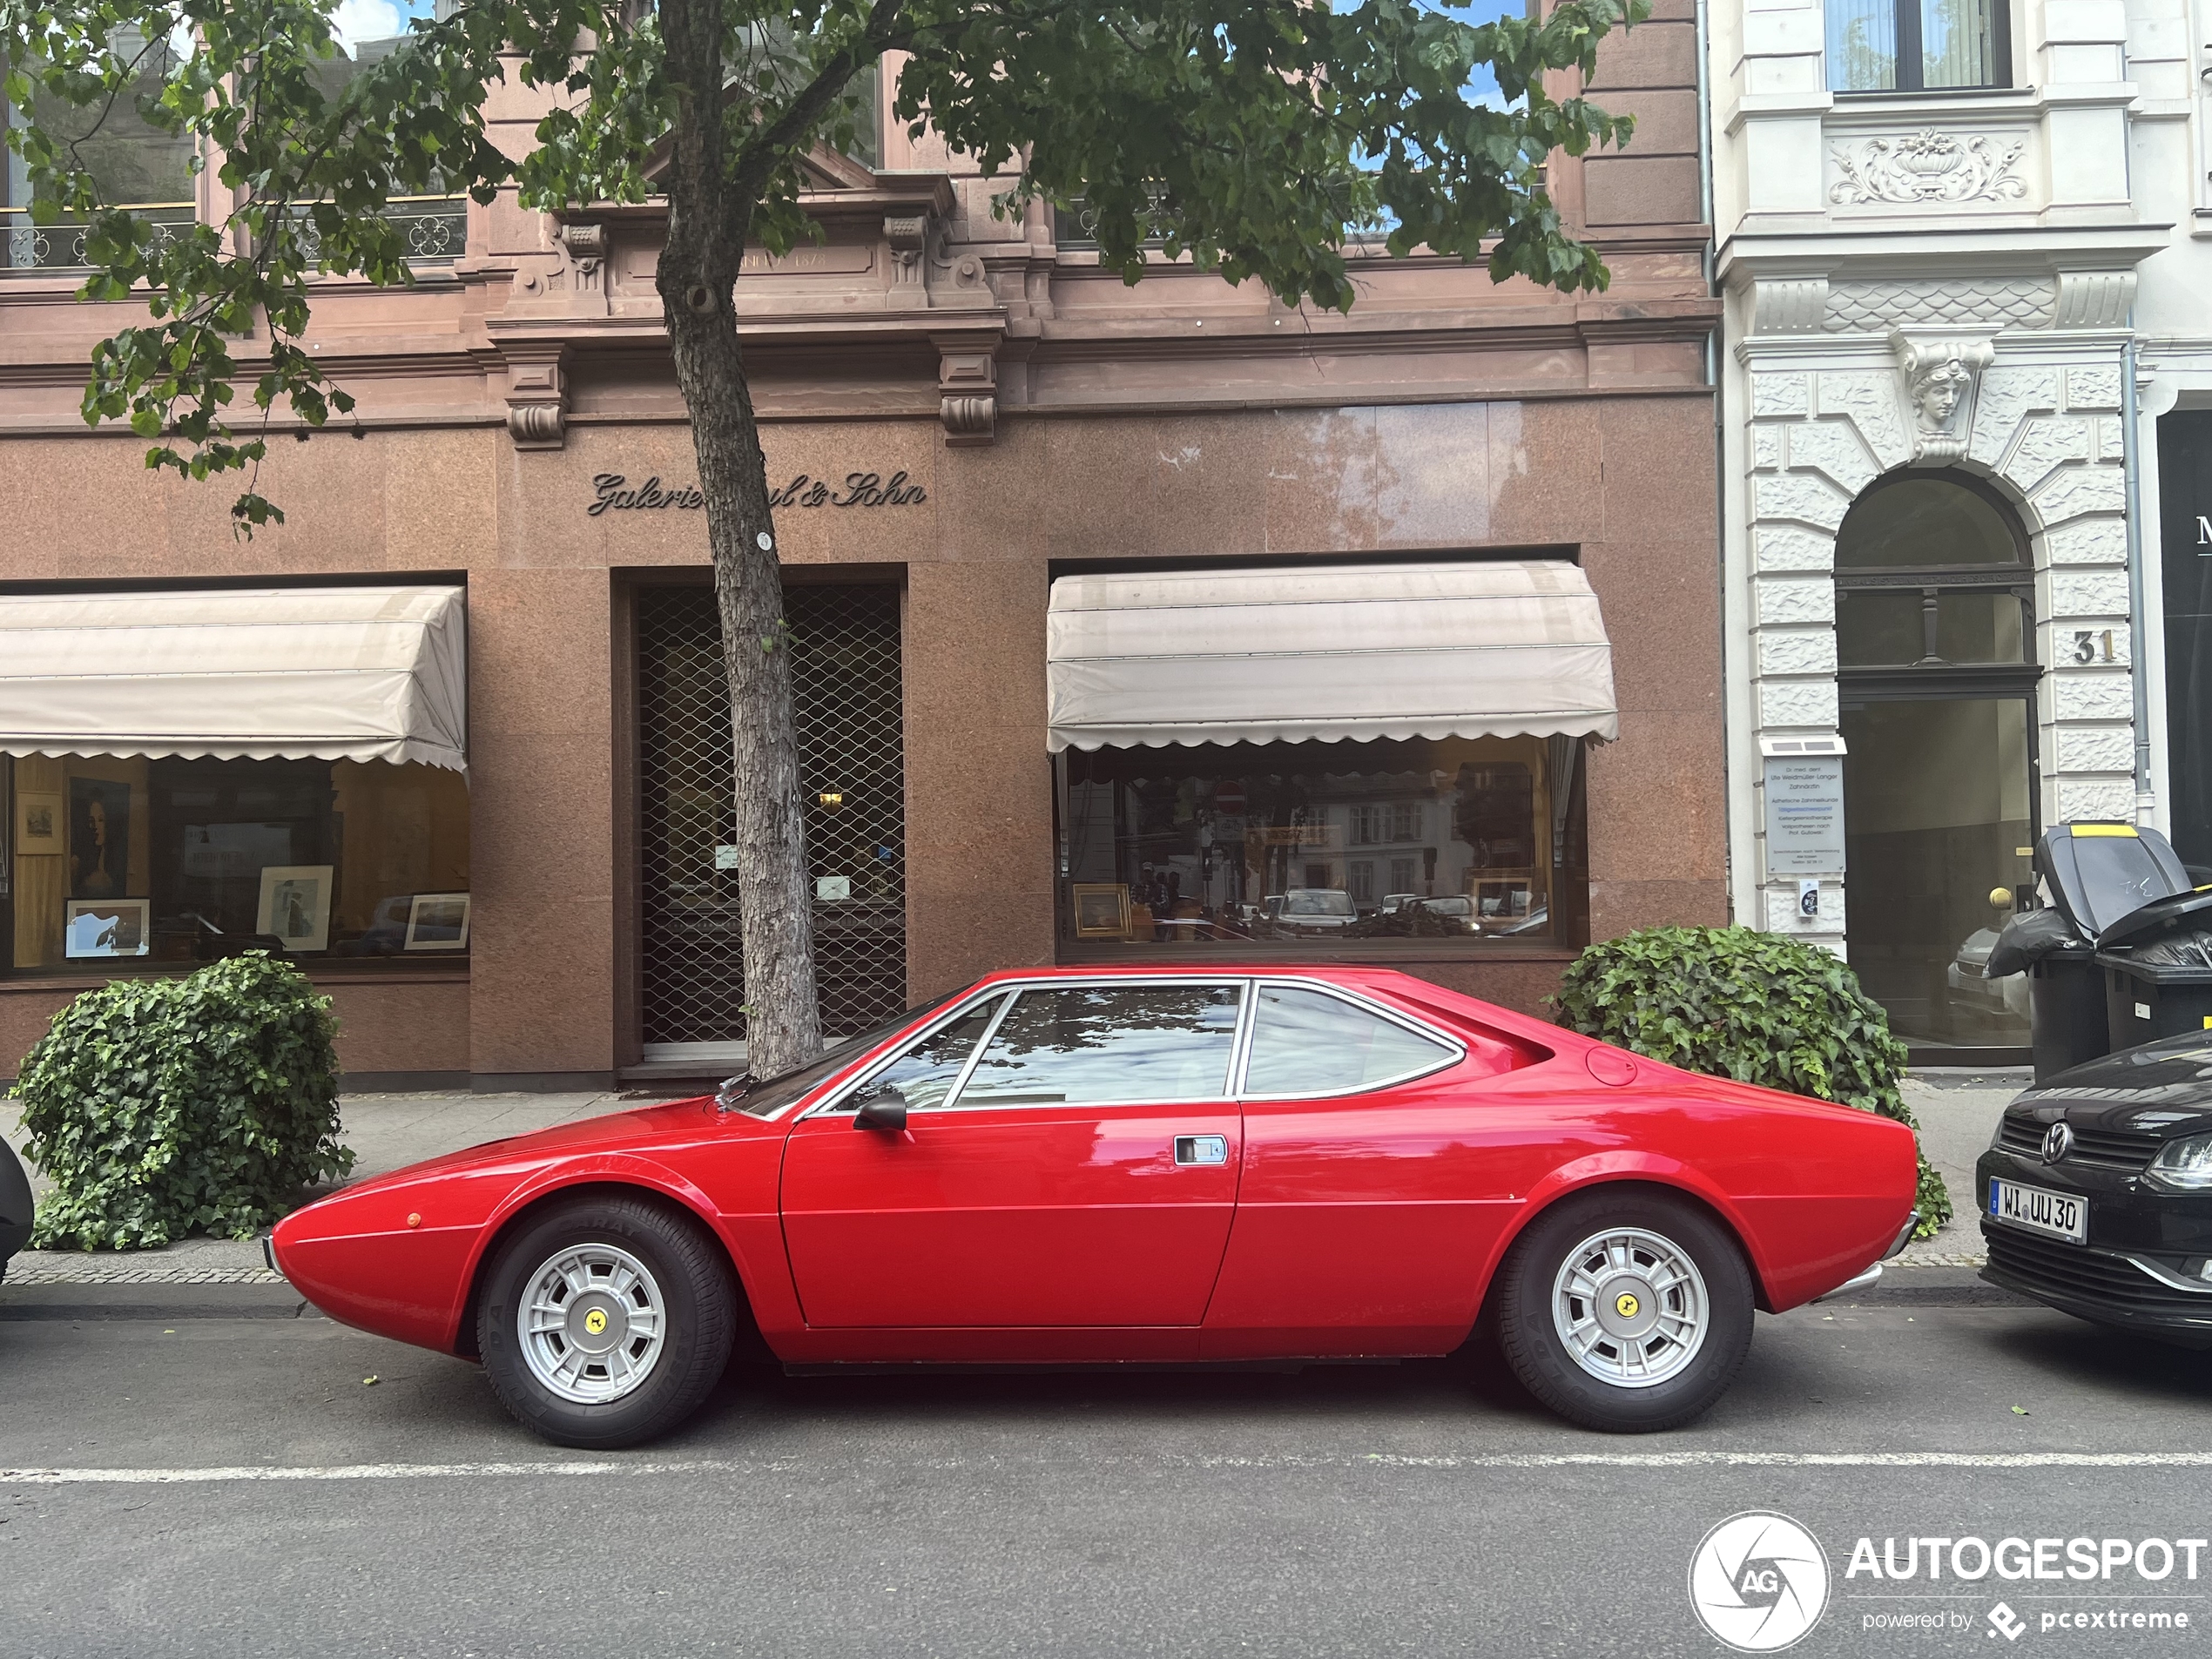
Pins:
x: 1911, y: 72
x: 1249, y: 987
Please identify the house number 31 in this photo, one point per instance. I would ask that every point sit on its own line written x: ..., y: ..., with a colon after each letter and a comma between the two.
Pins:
x: 2094, y: 647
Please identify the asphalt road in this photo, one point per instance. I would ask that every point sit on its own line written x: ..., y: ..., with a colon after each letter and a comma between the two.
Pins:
x: 1421, y: 1508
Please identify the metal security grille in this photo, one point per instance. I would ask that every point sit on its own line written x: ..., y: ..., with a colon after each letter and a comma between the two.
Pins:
x: 852, y: 757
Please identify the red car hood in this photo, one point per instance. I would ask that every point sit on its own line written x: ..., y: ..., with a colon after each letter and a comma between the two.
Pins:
x: 638, y: 1128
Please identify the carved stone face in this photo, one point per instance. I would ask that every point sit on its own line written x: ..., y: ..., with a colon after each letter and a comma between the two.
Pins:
x: 1937, y: 396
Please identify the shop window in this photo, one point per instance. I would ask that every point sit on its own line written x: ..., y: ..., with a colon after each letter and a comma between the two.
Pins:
x: 126, y: 861
x: 1917, y: 45
x: 1256, y: 845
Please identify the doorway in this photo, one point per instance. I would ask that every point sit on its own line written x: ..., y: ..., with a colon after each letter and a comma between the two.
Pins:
x: 1934, y: 635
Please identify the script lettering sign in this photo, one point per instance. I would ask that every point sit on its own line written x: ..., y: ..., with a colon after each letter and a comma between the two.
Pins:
x: 613, y: 492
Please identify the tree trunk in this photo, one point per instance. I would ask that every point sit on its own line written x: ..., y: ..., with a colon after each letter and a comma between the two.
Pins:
x: 699, y: 270
x: 783, y: 1022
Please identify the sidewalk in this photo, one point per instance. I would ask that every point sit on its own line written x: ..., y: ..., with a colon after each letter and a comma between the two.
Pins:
x: 385, y: 1131
x: 1957, y: 1116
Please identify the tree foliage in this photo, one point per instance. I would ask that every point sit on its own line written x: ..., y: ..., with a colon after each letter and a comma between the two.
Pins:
x: 1255, y: 135
x: 163, y: 1107
x: 1757, y: 1007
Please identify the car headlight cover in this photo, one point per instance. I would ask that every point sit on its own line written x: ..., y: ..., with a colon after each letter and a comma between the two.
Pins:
x: 2185, y: 1165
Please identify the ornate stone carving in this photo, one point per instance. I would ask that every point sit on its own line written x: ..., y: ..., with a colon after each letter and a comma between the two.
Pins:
x: 1927, y: 167
x: 1938, y: 377
x: 968, y: 404
x: 1788, y: 305
x: 909, y: 236
x: 538, y: 397
x: 587, y: 248
x: 2094, y: 298
x: 972, y: 416
x: 1876, y: 307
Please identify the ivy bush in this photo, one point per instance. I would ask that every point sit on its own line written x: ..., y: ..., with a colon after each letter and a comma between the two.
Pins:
x: 163, y: 1107
x: 1757, y: 1007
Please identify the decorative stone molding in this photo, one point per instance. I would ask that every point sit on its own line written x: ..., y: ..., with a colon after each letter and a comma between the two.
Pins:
x: 1938, y: 378
x: 537, y: 399
x: 1788, y: 305
x: 2094, y: 298
x: 587, y: 249
x: 909, y: 236
x: 968, y: 404
x: 1877, y: 307
x: 1927, y: 167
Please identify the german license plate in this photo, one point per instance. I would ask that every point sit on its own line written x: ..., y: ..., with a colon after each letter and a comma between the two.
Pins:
x: 2058, y: 1214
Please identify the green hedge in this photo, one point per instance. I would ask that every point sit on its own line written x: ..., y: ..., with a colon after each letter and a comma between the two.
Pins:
x: 163, y: 1107
x: 1761, y: 1009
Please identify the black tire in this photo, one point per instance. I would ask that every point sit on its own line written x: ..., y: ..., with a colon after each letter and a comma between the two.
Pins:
x: 697, y: 1301
x: 1539, y: 1355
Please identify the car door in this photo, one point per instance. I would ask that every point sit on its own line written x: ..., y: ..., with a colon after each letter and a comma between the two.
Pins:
x: 1070, y: 1159
x: 1365, y: 1210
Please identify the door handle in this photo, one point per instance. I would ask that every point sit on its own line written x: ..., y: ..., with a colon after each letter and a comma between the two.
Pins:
x: 1202, y: 1149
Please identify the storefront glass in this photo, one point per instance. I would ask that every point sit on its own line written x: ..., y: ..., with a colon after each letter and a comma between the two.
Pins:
x: 116, y: 861
x: 1471, y: 843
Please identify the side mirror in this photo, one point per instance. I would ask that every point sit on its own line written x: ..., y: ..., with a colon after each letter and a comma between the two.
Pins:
x: 886, y: 1111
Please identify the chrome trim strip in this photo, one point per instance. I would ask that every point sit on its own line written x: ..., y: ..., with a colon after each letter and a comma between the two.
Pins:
x: 2167, y: 1276
x: 1904, y: 1236
x: 975, y: 1054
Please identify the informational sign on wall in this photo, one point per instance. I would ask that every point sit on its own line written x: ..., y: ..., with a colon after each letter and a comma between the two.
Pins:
x: 1804, y: 814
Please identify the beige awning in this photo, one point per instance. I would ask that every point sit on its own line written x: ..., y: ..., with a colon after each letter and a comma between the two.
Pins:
x: 259, y: 673
x: 1468, y: 649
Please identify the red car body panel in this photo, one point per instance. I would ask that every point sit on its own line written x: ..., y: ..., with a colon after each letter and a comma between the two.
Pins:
x: 1365, y: 1225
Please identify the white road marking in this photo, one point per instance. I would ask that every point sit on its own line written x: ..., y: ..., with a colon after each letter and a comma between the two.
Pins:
x: 1376, y: 1460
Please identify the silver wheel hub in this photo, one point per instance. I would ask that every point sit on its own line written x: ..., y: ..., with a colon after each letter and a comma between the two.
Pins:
x: 1630, y: 1306
x: 591, y: 1323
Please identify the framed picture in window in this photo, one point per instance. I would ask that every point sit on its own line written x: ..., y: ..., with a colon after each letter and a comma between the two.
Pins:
x: 106, y: 926
x: 38, y: 821
x: 437, y: 921
x: 295, y: 905
x: 1102, y: 909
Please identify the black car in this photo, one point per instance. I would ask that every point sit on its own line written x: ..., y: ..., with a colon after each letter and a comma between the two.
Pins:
x: 2096, y: 1195
x: 15, y: 1206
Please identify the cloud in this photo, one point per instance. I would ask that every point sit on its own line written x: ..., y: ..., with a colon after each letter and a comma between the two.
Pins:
x: 359, y: 20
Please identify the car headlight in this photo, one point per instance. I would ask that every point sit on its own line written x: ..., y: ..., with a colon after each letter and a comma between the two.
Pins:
x: 2184, y: 1165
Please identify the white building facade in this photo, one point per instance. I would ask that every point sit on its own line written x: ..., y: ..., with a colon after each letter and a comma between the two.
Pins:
x: 1935, y: 238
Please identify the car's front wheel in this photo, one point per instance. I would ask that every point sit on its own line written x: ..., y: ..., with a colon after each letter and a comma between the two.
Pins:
x: 605, y: 1321
x: 1625, y: 1310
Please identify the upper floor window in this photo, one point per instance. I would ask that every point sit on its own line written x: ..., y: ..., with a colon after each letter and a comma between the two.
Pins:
x: 1917, y: 45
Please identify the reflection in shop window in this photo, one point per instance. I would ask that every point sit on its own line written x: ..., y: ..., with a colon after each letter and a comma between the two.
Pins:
x: 1471, y: 842
x: 168, y: 860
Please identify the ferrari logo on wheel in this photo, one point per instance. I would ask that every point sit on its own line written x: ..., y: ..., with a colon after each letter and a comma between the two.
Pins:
x: 1626, y: 1304
x: 596, y: 1321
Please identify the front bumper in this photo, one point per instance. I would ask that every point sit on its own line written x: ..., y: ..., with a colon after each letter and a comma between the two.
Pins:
x: 2134, y: 1271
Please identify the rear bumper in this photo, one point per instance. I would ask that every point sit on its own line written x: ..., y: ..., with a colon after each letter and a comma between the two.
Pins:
x: 268, y: 1254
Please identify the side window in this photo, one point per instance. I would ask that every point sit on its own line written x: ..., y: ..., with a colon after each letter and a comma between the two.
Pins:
x: 926, y: 1073
x: 1084, y: 1044
x: 1309, y: 1042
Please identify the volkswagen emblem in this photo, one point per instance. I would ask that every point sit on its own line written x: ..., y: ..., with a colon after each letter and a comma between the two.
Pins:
x: 2057, y: 1141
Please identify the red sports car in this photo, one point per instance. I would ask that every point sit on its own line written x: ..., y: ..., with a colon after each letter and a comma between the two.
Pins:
x: 1083, y: 1167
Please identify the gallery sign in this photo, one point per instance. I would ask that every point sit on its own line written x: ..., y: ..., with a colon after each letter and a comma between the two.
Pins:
x: 1804, y: 815
x: 613, y: 492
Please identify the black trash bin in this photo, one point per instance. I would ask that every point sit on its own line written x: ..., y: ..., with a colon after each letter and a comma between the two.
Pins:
x: 2097, y: 873
x: 2157, y: 965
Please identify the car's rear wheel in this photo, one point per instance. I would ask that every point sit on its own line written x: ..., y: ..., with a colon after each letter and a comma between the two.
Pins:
x: 605, y: 1321
x: 1625, y: 1310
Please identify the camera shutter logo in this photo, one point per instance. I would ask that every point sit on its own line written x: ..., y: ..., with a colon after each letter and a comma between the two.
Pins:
x: 1759, y: 1581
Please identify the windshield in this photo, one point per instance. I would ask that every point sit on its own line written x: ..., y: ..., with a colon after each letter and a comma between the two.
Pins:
x: 764, y: 1100
x: 1314, y: 902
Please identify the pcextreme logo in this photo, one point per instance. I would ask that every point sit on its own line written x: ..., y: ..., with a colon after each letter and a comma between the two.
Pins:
x: 1759, y: 1581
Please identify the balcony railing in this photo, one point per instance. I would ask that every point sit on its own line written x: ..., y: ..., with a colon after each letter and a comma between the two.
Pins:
x: 436, y: 229
x: 60, y: 245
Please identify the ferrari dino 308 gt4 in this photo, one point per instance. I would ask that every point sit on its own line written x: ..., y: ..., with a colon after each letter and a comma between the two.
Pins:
x: 1072, y: 1166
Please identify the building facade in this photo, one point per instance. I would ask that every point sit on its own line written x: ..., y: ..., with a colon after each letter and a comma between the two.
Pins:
x: 1007, y: 482
x: 1930, y: 219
